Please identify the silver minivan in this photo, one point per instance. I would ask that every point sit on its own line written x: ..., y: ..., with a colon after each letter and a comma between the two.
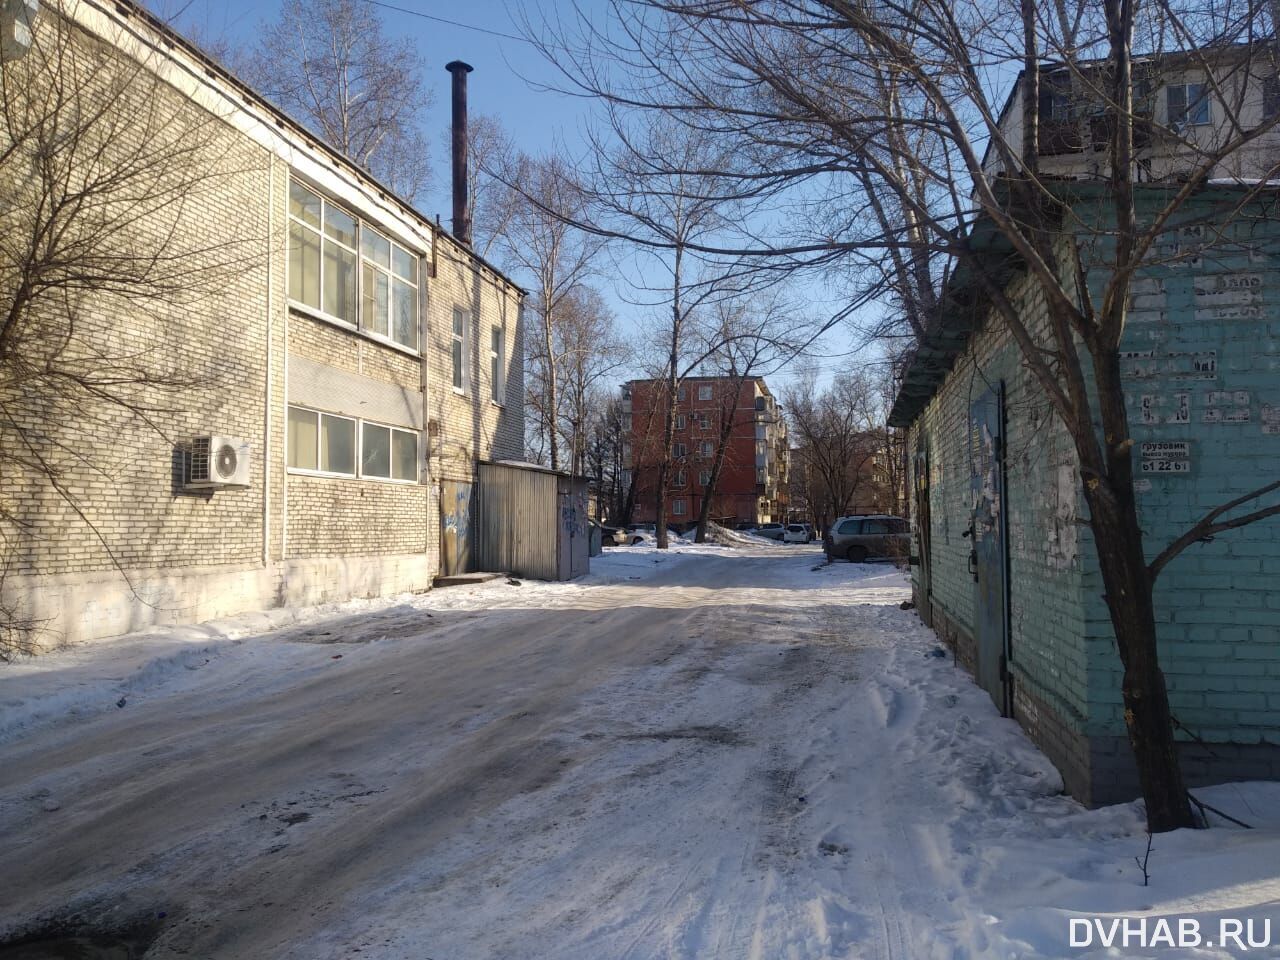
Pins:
x: 868, y: 537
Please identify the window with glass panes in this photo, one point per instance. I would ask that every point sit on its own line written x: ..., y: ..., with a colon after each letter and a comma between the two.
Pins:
x: 321, y: 442
x: 388, y: 453
x: 333, y: 257
x: 389, y: 286
x: 326, y: 443
x: 497, y: 364
x: 461, y: 320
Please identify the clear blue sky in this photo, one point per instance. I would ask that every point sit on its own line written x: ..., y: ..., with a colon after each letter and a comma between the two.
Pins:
x: 504, y: 84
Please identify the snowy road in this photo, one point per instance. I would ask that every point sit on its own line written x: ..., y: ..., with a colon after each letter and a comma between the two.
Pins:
x: 720, y: 755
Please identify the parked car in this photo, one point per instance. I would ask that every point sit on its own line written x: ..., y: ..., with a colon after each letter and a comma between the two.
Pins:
x: 640, y: 532
x: 772, y: 531
x: 746, y: 527
x: 861, y: 538
x: 612, y: 536
x: 797, y: 533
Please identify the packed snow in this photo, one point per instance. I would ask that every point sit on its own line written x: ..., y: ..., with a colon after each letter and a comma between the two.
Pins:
x: 712, y: 751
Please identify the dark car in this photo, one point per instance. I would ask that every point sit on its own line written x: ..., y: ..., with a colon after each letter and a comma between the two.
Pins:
x: 861, y: 538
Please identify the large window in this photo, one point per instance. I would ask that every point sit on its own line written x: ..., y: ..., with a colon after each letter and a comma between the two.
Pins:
x: 326, y: 443
x: 497, y: 364
x: 1188, y: 104
x: 461, y: 321
x: 325, y: 245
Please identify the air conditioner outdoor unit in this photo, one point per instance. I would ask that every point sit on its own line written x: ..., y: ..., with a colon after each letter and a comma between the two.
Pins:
x: 219, y: 462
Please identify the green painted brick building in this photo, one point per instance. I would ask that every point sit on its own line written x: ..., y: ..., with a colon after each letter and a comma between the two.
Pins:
x: 1006, y: 571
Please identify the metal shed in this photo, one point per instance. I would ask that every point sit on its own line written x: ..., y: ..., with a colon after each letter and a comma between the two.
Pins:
x: 531, y: 521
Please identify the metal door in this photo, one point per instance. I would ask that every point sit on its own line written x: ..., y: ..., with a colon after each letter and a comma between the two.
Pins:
x: 988, y: 559
x: 455, y: 527
x: 923, y: 529
x: 580, y: 552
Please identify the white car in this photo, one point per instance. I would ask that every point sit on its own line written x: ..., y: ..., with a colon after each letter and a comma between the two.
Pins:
x: 796, y: 533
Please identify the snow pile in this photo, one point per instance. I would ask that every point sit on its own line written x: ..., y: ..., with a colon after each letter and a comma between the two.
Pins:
x: 736, y: 538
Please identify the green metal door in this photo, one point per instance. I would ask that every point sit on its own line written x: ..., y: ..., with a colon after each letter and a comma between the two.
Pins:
x: 989, y: 558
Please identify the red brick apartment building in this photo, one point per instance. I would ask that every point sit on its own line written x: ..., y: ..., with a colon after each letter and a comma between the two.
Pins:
x: 753, y: 480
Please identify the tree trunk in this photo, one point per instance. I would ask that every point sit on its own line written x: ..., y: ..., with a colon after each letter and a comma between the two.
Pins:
x: 726, y: 431
x: 1127, y: 580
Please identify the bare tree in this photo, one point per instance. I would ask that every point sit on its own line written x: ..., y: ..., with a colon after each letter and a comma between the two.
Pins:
x: 837, y: 435
x: 543, y: 200
x: 331, y: 65
x: 752, y: 337
x: 100, y: 162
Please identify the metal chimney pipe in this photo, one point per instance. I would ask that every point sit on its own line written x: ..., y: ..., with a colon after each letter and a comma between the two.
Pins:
x: 461, y: 201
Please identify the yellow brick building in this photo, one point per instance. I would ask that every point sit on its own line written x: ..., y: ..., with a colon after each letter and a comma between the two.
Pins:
x: 358, y: 354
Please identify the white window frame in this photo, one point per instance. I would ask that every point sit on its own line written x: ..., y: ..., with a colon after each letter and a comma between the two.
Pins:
x: 393, y: 278
x: 679, y: 479
x: 316, y: 471
x: 706, y: 391
x: 679, y: 451
x: 358, y: 465
x: 706, y: 449
x: 679, y: 507
x: 498, y: 364
x: 462, y: 387
x: 681, y: 421
x: 704, y: 422
x: 704, y: 477
x: 358, y: 323
x: 391, y: 478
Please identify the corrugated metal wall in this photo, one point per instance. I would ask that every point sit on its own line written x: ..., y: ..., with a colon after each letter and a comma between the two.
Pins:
x: 517, y: 522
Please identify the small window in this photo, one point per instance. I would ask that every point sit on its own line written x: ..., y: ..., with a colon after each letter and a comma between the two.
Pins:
x: 678, y: 479
x: 704, y: 477
x: 679, y: 450
x: 679, y: 507
x: 1271, y: 97
x: 681, y: 393
x: 1188, y: 104
x: 706, y: 448
x: 337, y: 445
x: 304, y: 439
x: 681, y: 422
x: 704, y: 391
x: 704, y: 422
x: 375, y: 451
x: 851, y: 527
x: 461, y: 320
x: 321, y: 442
x: 497, y: 364
x: 404, y: 455
x: 388, y: 453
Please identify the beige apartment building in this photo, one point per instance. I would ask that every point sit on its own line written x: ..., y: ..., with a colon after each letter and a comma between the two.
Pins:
x: 1186, y: 106
x: 340, y: 361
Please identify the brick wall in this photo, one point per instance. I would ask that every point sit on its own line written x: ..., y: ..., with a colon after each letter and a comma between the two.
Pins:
x: 1200, y: 352
x: 234, y: 340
